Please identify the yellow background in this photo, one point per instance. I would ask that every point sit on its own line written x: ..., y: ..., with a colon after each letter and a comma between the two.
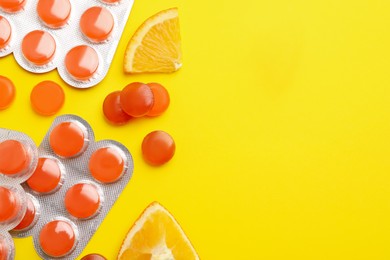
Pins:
x: 281, y: 118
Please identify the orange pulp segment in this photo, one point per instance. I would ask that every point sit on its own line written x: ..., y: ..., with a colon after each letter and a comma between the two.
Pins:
x: 156, y: 235
x: 156, y: 45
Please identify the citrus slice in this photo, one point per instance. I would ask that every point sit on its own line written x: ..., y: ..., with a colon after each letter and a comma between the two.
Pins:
x: 156, y: 235
x: 155, y: 46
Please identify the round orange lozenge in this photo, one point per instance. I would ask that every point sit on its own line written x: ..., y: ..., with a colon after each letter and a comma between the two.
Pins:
x: 29, y: 216
x: 111, y: 1
x: 93, y: 257
x: 38, y: 47
x: 12, y: 6
x: 10, y: 204
x: 7, y: 92
x: 67, y: 139
x: 136, y: 99
x: 5, y: 32
x: 54, y: 13
x: 82, y: 62
x: 158, y: 147
x: 47, y: 98
x: 46, y: 177
x: 14, y: 158
x: 161, y: 99
x: 113, y: 111
x: 97, y: 24
x: 82, y: 200
x: 106, y: 165
x: 57, y: 238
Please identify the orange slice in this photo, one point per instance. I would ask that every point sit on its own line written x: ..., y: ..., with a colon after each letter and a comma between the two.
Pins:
x: 156, y: 45
x: 156, y: 235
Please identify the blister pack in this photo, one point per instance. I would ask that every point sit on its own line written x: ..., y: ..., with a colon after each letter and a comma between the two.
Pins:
x: 79, y: 38
x: 75, y: 183
x: 18, y: 160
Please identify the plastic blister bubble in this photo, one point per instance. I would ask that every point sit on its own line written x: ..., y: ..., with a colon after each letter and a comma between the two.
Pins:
x: 18, y: 156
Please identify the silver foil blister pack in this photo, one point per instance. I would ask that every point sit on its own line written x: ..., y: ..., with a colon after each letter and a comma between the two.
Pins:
x: 61, y: 204
x: 66, y: 37
x: 18, y: 160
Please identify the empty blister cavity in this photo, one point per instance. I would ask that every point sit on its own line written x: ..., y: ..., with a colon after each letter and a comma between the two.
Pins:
x: 5, y: 32
x: 58, y: 238
x: 97, y: 24
x: 47, y: 177
x: 7, y: 248
x: 38, y: 47
x: 12, y: 6
x: 54, y: 13
x: 83, y: 200
x: 107, y: 164
x: 31, y: 215
x: 68, y: 139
